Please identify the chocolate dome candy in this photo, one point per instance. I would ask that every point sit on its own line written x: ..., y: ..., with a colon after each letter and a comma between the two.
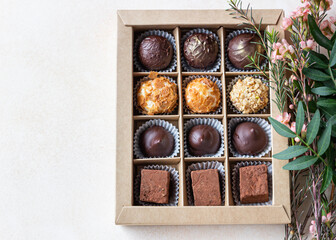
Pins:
x: 203, y: 139
x: 155, y: 52
x: 249, y: 138
x: 200, y: 50
x: 156, y: 142
x: 242, y: 46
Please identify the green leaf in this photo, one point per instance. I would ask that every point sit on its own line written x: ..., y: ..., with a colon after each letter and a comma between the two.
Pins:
x: 324, y: 141
x: 327, y: 103
x: 315, y: 74
x: 301, y: 163
x: 318, y: 60
x: 328, y: 112
x: 291, y: 152
x: 324, y: 91
x: 282, y: 129
x: 317, y: 34
x: 327, y: 177
x: 313, y: 127
x: 300, y: 117
x: 312, y: 106
x: 332, y: 60
x: 333, y: 38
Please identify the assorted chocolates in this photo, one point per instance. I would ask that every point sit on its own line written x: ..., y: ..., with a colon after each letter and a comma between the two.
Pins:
x: 157, y: 94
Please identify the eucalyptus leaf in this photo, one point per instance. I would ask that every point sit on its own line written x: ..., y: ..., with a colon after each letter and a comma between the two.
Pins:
x: 317, y: 34
x: 324, y: 91
x: 315, y: 74
x: 318, y: 60
x: 332, y: 60
x: 301, y: 163
x: 282, y: 129
x: 324, y: 141
x: 313, y: 127
x: 291, y: 152
x: 327, y: 177
x: 300, y: 118
x: 327, y: 102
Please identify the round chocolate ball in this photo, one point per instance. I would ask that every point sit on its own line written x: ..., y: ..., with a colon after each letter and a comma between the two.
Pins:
x: 249, y: 138
x: 203, y: 139
x: 200, y: 50
x: 241, y: 47
x: 156, y: 142
x: 155, y: 52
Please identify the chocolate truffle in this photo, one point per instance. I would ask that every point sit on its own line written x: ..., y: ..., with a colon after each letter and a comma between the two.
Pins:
x: 154, y: 186
x: 205, y: 186
x: 203, y: 140
x: 156, y: 142
x: 249, y: 95
x: 253, y: 184
x: 157, y: 95
x: 200, y: 50
x: 155, y: 52
x: 241, y: 47
x: 202, y: 96
x: 249, y: 138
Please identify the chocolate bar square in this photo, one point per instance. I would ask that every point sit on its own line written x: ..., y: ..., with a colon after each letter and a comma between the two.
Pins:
x: 154, y: 186
x: 253, y: 184
x: 206, y: 188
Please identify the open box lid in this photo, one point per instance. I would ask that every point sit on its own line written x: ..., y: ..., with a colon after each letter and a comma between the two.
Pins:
x: 126, y: 213
x: 193, y: 17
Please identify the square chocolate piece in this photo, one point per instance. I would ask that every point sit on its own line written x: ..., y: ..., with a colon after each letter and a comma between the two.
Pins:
x: 154, y: 186
x: 253, y: 184
x: 205, y: 186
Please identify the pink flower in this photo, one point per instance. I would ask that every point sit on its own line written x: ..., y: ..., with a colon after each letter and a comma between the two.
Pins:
x: 309, y: 45
x: 284, y: 118
x: 312, y: 228
x: 287, y: 23
x: 293, y: 126
x: 326, y: 28
x: 327, y: 218
x: 325, y: 5
x: 332, y: 20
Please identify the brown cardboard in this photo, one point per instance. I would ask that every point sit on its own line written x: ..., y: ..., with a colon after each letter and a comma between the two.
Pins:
x: 128, y: 214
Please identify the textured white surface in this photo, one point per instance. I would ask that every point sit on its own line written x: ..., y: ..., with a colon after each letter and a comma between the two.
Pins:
x: 57, y: 122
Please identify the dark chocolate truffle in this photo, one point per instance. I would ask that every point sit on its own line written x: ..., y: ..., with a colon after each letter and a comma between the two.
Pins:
x: 203, y: 139
x: 242, y: 46
x: 156, y: 142
x: 155, y: 52
x: 200, y: 50
x: 249, y: 138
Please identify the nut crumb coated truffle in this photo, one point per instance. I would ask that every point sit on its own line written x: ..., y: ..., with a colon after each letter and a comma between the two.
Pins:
x: 202, y: 95
x: 249, y: 95
x: 157, y: 95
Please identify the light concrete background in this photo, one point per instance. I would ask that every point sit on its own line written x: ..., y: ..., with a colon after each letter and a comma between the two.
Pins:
x: 57, y: 122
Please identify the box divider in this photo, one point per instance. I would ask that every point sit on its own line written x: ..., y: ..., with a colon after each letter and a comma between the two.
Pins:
x: 177, y: 34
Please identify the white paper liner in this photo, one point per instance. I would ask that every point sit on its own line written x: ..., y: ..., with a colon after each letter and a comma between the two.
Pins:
x: 202, y: 166
x: 236, y: 187
x: 213, y: 79
x: 262, y: 123
x: 228, y: 64
x: 156, y: 122
x: 233, y: 82
x: 214, y: 67
x: 172, y: 65
x: 173, y: 186
x: 203, y: 121
x: 135, y: 99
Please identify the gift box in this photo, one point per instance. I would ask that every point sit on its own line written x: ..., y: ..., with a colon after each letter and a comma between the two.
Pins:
x: 132, y: 24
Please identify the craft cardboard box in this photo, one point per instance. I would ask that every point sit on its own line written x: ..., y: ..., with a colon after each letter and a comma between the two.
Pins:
x: 130, y: 23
